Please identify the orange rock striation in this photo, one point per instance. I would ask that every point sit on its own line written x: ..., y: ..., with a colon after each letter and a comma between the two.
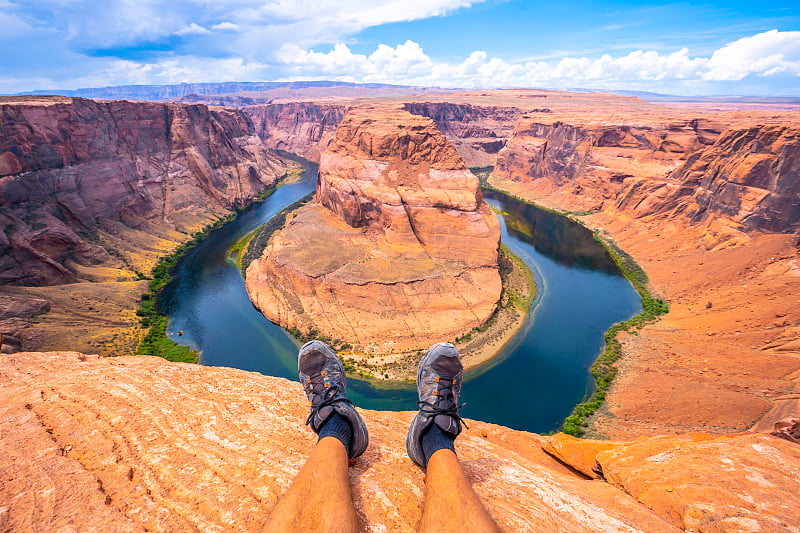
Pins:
x: 137, y: 443
x: 398, y: 250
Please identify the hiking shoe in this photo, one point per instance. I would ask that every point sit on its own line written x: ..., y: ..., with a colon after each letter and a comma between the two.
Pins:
x: 324, y: 382
x: 439, y: 378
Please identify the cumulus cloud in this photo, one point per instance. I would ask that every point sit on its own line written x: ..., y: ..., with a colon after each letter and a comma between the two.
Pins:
x: 86, y: 25
x: 192, y: 29
x: 152, y: 41
x: 764, y: 54
x: 226, y: 26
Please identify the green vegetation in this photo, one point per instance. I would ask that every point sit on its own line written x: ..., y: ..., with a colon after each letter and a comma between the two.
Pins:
x: 237, y: 251
x: 515, y: 299
x: 483, y: 174
x: 156, y: 342
x: 260, y: 237
x: 604, y: 369
x: 511, y: 297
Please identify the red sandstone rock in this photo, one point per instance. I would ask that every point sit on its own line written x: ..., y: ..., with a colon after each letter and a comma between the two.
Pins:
x: 135, y: 443
x: 400, y: 251
x: 303, y: 128
x: 748, y: 176
x: 82, y: 181
x: 700, y: 482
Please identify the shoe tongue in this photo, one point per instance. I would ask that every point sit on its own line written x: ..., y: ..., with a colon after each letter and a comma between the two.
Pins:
x: 447, y: 366
x: 312, y: 362
x: 447, y: 423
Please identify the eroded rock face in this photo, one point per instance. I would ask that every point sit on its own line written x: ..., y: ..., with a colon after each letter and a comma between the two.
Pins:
x: 696, y: 169
x: 749, y: 176
x: 477, y: 132
x: 87, y: 186
x: 590, y: 164
x: 398, y: 251
x: 698, y: 481
x: 138, y: 443
x: 303, y: 128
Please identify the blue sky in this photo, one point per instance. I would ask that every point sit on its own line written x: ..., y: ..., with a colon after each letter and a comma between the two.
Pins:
x: 678, y: 48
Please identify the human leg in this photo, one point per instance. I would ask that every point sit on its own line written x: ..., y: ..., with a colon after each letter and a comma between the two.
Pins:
x: 451, y: 503
x: 319, y: 499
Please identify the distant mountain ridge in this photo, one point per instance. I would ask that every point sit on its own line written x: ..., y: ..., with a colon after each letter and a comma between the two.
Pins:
x: 170, y: 92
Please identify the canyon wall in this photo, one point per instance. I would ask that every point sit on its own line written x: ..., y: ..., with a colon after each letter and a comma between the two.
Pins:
x: 589, y: 163
x: 398, y: 251
x: 306, y: 128
x: 97, y: 190
x: 709, y: 208
x: 140, y: 444
x: 303, y: 128
x: 477, y: 132
x: 697, y: 169
x: 750, y: 176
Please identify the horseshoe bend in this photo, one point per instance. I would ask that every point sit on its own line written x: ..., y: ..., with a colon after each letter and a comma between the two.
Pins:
x: 698, y: 429
x: 397, y: 251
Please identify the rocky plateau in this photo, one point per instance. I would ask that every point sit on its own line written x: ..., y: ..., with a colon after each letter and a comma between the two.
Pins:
x: 141, y: 444
x: 397, y: 251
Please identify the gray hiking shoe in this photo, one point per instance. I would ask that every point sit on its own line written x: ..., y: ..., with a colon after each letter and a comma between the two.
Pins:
x: 324, y: 381
x: 439, y: 378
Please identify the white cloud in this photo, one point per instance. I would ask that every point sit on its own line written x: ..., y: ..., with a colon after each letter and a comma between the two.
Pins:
x: 226, y: 26
x: 192, y: 29
x: 764, y: 54
x: 124, y: 41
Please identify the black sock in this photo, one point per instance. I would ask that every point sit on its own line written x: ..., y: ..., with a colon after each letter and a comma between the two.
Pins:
x: 435, y: 438
x: 337, y: 426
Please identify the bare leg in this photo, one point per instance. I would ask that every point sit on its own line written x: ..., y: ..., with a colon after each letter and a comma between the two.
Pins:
x: 450, y: 501
x: 319, y: 498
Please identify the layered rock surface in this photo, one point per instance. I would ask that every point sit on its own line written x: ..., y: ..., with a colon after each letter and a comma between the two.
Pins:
x: 138, y: 443
x: 303, y: 128
x: 696, y: 201
x: 750, y: 176
x: 97, y: 190
x: 398, y: 250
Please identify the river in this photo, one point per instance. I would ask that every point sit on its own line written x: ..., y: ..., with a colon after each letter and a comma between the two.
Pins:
x: 532, y: 385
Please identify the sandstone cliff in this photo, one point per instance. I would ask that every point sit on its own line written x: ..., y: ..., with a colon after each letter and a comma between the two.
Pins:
x: 138, y: 444
x: 398, y: 251
x: 749, y: 176
x: 589, y: 163
x: 477, y: 132
x: 303, y: 128
x: 96, y: 190
x: 696, y: 202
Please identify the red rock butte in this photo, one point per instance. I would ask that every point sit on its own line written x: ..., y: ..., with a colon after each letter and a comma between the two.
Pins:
x: 397, y: 251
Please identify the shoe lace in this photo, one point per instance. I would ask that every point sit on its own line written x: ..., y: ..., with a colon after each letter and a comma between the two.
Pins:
x: 327, y: 395
x: 444, y: 403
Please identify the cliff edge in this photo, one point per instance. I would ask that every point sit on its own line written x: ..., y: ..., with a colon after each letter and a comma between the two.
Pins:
x: 138, y: 443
